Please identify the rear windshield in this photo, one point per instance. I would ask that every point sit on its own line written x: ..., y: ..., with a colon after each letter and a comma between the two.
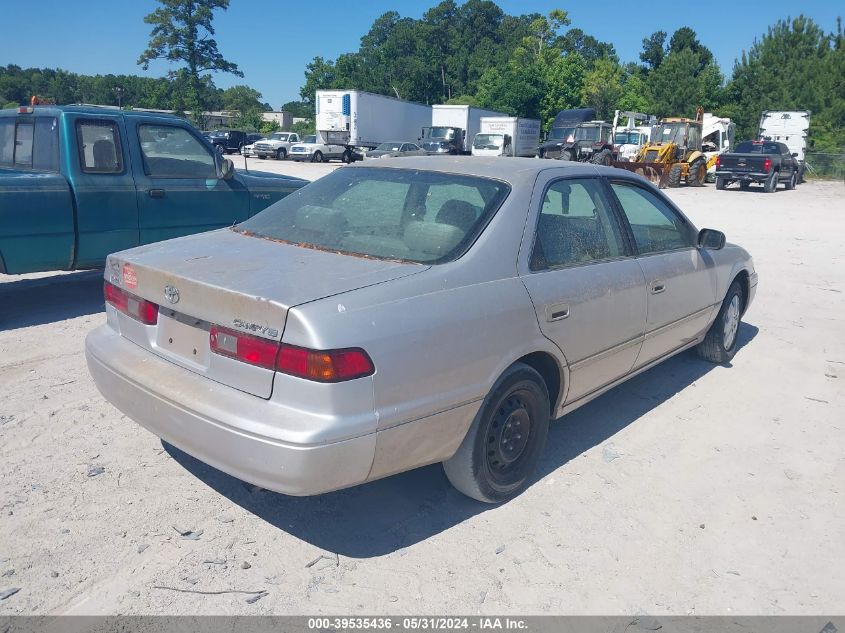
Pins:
x: 750, y: 147
x: 29, y: 143
x: 401, y: 214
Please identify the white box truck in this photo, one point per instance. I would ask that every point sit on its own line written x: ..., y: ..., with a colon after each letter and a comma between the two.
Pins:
x: 789, y: 127
x: 452, y: 128
x: 506, y: 136
x: 350, y: 119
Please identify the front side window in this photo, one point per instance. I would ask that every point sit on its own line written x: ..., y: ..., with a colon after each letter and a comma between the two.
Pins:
x: 655, y: 225
x: 410, y: 215
x: 173, y: 152
x: 99, y: 147
x: 587, y: 133
x: 575, y: 226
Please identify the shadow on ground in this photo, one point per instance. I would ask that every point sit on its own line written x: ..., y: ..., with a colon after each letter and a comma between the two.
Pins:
x: 28, y: 302
x: 393, y: 513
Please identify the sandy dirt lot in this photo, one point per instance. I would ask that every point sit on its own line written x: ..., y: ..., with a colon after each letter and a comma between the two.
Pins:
x: 691, y: 489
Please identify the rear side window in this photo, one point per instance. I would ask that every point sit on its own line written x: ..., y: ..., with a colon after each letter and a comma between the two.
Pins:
x: 100, y: 151
x: 29, y: 143
x: 173, y: 152
x: 418, y: 216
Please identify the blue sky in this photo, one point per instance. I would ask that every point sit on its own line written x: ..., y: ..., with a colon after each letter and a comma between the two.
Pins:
x: 272, y: 41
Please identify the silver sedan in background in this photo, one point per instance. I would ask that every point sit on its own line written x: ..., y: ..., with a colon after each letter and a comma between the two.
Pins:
x: 421, y: 311
x: 397, y: 149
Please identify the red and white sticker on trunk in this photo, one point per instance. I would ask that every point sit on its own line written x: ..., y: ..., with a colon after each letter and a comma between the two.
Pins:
x: 130, y: 277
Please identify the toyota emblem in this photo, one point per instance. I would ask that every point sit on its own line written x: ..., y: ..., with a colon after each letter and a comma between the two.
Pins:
x: 171, y: 293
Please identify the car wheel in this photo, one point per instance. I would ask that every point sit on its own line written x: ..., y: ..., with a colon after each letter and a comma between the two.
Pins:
x: 281, y: 153
x: 674, y: 179
x: 793, y: 180
x: 318, y: 157
x: 500, y: 452
x: 347, y: 157
x: 771, y: 183
x: 696, y: 173
x: 220, y: 149
x: 721, y: 183
x: 719, y: 345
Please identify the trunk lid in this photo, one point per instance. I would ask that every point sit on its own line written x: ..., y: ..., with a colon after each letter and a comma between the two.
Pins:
x: 240, y: 282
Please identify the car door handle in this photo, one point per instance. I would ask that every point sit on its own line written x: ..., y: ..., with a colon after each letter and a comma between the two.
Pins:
x: 155, y: 193
x: 657, y: 287
x: 556, y: 311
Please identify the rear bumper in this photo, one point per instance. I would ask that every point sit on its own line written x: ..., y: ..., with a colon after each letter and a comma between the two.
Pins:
x: 743, y: 175
x: 211, y: 422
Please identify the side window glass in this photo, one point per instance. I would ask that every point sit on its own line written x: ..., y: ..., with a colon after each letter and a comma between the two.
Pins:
x: 99, y: 147
x: 23, y: 143
x: 655, y: 225
x: 575, y: 226
x: 46, y: 144
x: 7, y: 141
x: 170, y: 151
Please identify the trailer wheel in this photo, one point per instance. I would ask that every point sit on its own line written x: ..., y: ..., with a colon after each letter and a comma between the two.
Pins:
x: 674, y: 180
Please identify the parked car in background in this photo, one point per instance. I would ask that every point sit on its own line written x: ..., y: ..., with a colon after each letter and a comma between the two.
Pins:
x: 277, y: 145
x: 251, y: 139
x: 78, y: 183
x: 763, y: 162
x: 313, y: 149
x: 414, y: 311
x: 386, y: 150
x: 227, y: 141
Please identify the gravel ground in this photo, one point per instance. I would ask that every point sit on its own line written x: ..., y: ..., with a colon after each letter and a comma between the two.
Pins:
x: 691, y: 489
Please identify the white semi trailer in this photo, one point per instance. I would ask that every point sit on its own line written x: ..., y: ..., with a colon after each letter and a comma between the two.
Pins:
x: 452, y: 128
x: 350, y: 119
x: 790, y: 127
x: 506, y: 136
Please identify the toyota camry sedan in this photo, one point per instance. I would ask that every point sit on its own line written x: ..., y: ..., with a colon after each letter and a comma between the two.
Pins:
x: 384, y: 318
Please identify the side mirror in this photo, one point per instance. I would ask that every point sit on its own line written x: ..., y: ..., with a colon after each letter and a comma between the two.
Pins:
x: 227, y: 169
x: 711, y: 239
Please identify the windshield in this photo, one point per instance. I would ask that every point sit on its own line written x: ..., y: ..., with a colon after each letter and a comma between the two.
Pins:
x: 389, y: 147
x: 750, y: 147
x: 278, y: 136
x: 446, y: 133
x: 487, y: 141
x: 626, y: 138
x: 560, y: 133
x: 670, y: 133
x: 418, y: 216
x: 310, y: 139
x: 587, y: 133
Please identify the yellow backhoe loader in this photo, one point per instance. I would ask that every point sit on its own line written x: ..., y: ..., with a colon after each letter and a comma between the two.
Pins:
x: 673, y: 155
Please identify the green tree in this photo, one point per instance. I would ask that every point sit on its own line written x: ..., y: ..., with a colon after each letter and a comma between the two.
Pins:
x: 603, y: 88
x: 182, y: 33
x: 654, y: 49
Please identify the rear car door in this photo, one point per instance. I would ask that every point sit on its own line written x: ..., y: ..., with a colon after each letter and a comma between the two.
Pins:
x: 177, y: 186
x: 587, y: 288
x: 104, y: 187
x: 680, y: 278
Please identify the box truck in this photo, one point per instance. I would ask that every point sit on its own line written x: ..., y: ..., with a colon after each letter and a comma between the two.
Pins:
x: 790, y: 128
x: 452, y: 128
x: 506, y: 136
x: 350, y: 119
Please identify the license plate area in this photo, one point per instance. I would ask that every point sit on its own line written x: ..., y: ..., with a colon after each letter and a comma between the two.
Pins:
x: 183, y: 338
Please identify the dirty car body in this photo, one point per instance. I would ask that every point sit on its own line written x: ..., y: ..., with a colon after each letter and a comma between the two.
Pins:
x: 381, y: 318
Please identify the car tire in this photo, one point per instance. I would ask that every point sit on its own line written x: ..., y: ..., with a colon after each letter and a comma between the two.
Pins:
x: 602, y: 158
x: 771, y: 183
x: 696, y: 173
x: 318, y: 157
x: 721, y: 183
x: 719, y: 344
x: 793, y: 180
x: 281, y: 153
x: 495, y: 462
x: 674, y: 180
x: 221, y: 150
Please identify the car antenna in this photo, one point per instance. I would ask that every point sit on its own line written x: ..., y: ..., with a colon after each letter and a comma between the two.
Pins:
x: 246, y: 169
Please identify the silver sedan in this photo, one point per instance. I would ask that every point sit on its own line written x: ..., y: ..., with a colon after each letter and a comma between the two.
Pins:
x: 421, y: 311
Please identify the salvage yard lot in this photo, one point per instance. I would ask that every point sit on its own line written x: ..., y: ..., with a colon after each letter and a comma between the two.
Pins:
x: 691, y: 489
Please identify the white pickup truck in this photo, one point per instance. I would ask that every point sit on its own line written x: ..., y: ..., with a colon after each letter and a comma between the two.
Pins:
x: 312, y: 148
x: 277, y: 145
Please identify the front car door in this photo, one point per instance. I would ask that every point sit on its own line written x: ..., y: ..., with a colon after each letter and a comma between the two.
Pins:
x: 177, y: 186
x: 587, y: 288
x: 680, y: 278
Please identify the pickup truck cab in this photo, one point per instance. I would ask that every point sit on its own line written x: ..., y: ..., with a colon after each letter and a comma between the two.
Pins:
x: 765, y: 162
x: 277, y: 145
x: 228, y: 141
x: 78, y: 183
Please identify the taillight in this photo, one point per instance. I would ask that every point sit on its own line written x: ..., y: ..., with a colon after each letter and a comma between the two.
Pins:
x: 767, y: 164
x: 244, y: 347
x: 139, y: 309
x: 335, y: 365
x: 718, y: 161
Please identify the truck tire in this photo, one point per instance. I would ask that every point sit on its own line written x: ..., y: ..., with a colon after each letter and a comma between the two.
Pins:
x: 281, y: 153
x: 566, y: 155
x: 801, y: 174
x: 602, y: 158
x: 696, y: 173
x: 793, y: 180
x: 347, y: 157
x: 318, y: 157
x: 744, y: 184
x: 674, y: 180
x: 771, y: 183
x: 500, y: 452
x: 721, y: 183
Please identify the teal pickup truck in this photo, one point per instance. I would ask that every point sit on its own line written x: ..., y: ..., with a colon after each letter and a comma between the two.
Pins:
x: 78, y: 183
